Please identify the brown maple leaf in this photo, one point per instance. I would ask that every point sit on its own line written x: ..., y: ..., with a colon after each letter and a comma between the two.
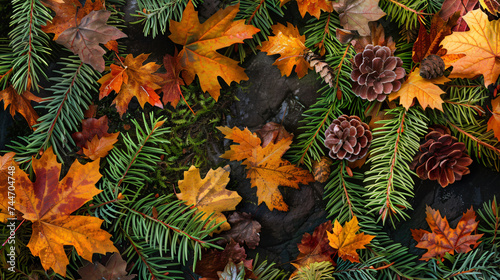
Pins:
x: 133, y: 79
x: 346, y: 241
x: 287, y: 42
x: 443, y: 239
x: 494, y: 121
x: 316, y: 248
x: 48, y: 204
x: 100, y: 147
x: 115, y: 269
x: 244, y: 229
x: 84, y: 39
x: 209, y: 194
x: 266, y: 169
x: 200, y: 43
x: 20, y: 103
x: 492, y: 6
x: 214, y: 260
x: 272, y: 132
x: 313, y: 7
x: 355, y: 14
x: 91, y: 127
x: 173, y: 82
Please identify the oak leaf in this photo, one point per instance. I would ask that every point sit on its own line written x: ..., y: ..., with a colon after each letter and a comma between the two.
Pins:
x: 443, y: 239
x: 494, y: 121
x: 115, y: 269
x: 244, y: 229
x: 84, y: 39
x: 173, y: 82
x: 316, y: 248
x: 426, y: 92
x: 20, y: 103
x: 287, y: 42
x: 266, y: 169
x: 481, y: 46
x: 346, y: 241
x: 355, y: 14
x: 209, y: 194
x: 450, y: 7
x: 314, y: 7
x: 100, y: 147
x: 200, y: 42
x: 48, y: 204
x: 134, y: 79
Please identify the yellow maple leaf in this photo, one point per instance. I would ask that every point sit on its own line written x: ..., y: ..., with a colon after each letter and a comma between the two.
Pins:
x: 209, y: 194
x: 290, y: 45
x: 266, y: 169
x: 481, y: 46
x: 494, y: 121
x: 426, y: 92
x: 346, y: 241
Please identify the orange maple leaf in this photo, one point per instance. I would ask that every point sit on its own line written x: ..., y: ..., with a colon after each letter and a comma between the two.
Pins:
x: 48, y: 204
x: 266, y: 169
x: 133, y: 79
x: 291, y: 46
x: 200, y: 42
x: 209, y: 194
x: 346, y: 241
x: 494, y: 121
x: 20, y: 103
x: 481, y: 46
x: 100, y: 147
x: 444, y: 239
x: 426, y: 92
x: 172, y: 87
x: 314, y: 7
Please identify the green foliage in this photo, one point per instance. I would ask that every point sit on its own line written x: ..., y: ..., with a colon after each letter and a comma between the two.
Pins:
x: 315, y: 271
x: 266, y: 271
x: 322, y: 32
x: 405, y: 12
x: 490, y: 223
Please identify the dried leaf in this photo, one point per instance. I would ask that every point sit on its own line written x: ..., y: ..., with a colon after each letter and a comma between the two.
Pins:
x: 244, y: 229
x: 171, y: 89
x: 213, y: 261
x: 48, y: 204
x: 287, y: 42
x: 346, y: 241
x: 209, y: 194
x: 20, y: 103
x: 115, y: 269
x: 200, y: 42
x: 322, y: 169
x: 444, y: 239
x: 493, y: 6
x: 481, y: 46
x: 85, y: 38
x: 266, y: 169
x: 376, y: 37
x: 315, y: 248
x: 91, y: 127
x: 426, y: 92
x: 272, y: 132
x: 494, y: 121
x: 100, y: 147
x: 355, y: 14
x: 313, y: 7
x: 462, y: 6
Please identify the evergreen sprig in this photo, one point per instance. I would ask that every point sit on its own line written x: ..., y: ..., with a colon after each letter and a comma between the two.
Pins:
x: 405, y: 12
x: 490, y: 223
x: 315, y: 271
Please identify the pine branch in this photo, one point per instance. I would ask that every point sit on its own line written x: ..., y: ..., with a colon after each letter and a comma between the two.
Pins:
x: 405, y: 12
x: 490, y: 223
x: 265, y: 271
x: 315, y: 271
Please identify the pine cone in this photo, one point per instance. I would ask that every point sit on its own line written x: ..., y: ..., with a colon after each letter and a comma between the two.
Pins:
x: 376, y: 73
x: 348, y: 138
x: 432, y: 67
x: 441, y: 157
x: 320, y: 66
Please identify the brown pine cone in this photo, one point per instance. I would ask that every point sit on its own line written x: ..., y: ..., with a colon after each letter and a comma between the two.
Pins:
x: 348, y: 138
x: 376, y: 73
x: 432, y: 67
x: 441, y: 157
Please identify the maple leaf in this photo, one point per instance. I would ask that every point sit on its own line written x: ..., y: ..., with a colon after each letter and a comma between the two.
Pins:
x: 134, y: 79
x: 266, y: 169
x: 20, y: 103
x: 314, y: 7
x: 209, y: 194
x: 171, y: 89
x: 214, y: 260
x: 291, y: 46
x: 481, y: 46
x: 494, y: 121
x: 115, y: 269
x: 315, y: 248
x: 84, y: 39
x: 346, y: 241
x: 493, y: 6
x: 272, y: 132
x: 99, y: 147
x: 426, y: 92
x: 200, y: 42
x: 444, y: 239
x: 355, y: 14
x: 48, y: 204
x: 244, y: 229
x: 450, y: 7
x: 376, y: 37
x: 6, y: 161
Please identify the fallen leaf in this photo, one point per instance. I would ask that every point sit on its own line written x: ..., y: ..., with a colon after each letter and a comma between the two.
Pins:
x: 426, y: 92
x: 444, y: 239
x: 214, y: 260
x: 6, y: 161
x: 314, y: 7
x: 355, y: 14
x: 494, y: 121
x: 100, y: 147
x: 91, y: 127
x: 480, y: 46
x: 266, y: 169
x: 272, y: 132
x: 200, y: 43
x: 20, y: 103
x: 493, y: 6
x: 315, y: 248
x: 287, y: 42
x: 209, y: 194
x: 244, y: 229
x: 376, y: 37
x: 84, y: 39
x: 173, y: 82
x: 48, y: 204
x: 133, y: 79
x: 322, y: 169
x: 346, y: 241
x: 115, y: 269
x: 450, y: 7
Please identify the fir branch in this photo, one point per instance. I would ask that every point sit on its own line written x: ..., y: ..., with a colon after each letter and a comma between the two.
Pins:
x: 405, y: 12
x: 321, y: 33
x: 315, y: 271
x: 490, y: 223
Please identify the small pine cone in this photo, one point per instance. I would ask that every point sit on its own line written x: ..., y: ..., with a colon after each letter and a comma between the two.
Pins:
x: 348, y: 138
x: 432, y: 67
x: 320, y: 66
x: 376, y: 73
x: 441, y: 157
